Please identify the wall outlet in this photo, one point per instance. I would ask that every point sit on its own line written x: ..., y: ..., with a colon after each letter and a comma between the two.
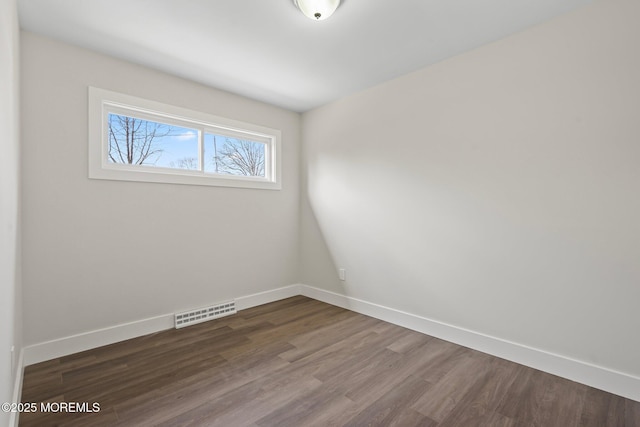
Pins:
x: 342, y: 273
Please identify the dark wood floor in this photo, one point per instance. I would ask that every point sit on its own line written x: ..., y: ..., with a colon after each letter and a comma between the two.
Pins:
x: 300, y: 362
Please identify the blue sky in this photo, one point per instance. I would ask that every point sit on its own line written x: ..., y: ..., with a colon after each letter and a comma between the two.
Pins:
x: 179, y: 148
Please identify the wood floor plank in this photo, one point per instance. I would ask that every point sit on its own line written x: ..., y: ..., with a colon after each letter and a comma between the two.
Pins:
x: 441, y: 357
x: 596, y: 408
x: 409, y: 342
x: 393, y: 405
x: 480, y: 403
x: 300, y: 362
x: 438, y: 402
x: 117, y: 391
x: 411, y: 418
x: 317, y: 407
x: 390, y: 374
x: 494, y: 419
x: 158, y: 405
x: 563, y: 403
x: 523, y: 400
x: 321, y: 337
x: 632, y: 412
x: 326, y: 364
x: 266, y: 402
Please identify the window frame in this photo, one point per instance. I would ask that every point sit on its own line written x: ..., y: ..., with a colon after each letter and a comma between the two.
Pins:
x: 103, y: 102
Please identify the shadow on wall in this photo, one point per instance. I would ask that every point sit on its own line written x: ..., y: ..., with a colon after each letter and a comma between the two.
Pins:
x: 319, y: 265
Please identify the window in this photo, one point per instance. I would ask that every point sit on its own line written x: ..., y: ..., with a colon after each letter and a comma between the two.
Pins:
x: 134, y: 139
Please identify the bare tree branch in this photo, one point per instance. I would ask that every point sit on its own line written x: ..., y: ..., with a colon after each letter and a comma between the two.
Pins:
x: 239, y: 157
x: 135, y: 141
x: 190, y: 163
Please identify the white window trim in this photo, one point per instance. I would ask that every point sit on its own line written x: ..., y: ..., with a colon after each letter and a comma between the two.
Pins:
x: 101, y: 102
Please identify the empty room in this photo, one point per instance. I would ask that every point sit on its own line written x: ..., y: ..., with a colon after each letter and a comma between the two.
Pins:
x: 320, y: 212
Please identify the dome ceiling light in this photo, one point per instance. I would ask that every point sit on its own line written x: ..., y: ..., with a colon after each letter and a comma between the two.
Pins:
x: 317, y: 10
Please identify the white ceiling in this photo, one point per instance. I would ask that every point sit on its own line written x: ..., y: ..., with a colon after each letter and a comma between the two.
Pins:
x: 268, y: 50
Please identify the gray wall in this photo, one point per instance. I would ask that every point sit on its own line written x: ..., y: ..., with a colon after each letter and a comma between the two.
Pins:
x: 10, y: 304
x: 498, y: 191
x: 102, y: 253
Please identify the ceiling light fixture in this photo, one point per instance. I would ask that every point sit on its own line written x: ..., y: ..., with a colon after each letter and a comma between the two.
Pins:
x: 317, y: 9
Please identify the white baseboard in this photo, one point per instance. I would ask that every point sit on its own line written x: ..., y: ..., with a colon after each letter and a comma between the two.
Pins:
x: 595, y: 376
x: 14, y: 418
x: 60, y: 347
x: 266, y: 297
x: 585, y: 373
x: 92, y: 339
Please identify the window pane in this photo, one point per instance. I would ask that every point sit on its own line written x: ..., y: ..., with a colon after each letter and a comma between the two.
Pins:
x: 233, y: 156
x: 146, y: 143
